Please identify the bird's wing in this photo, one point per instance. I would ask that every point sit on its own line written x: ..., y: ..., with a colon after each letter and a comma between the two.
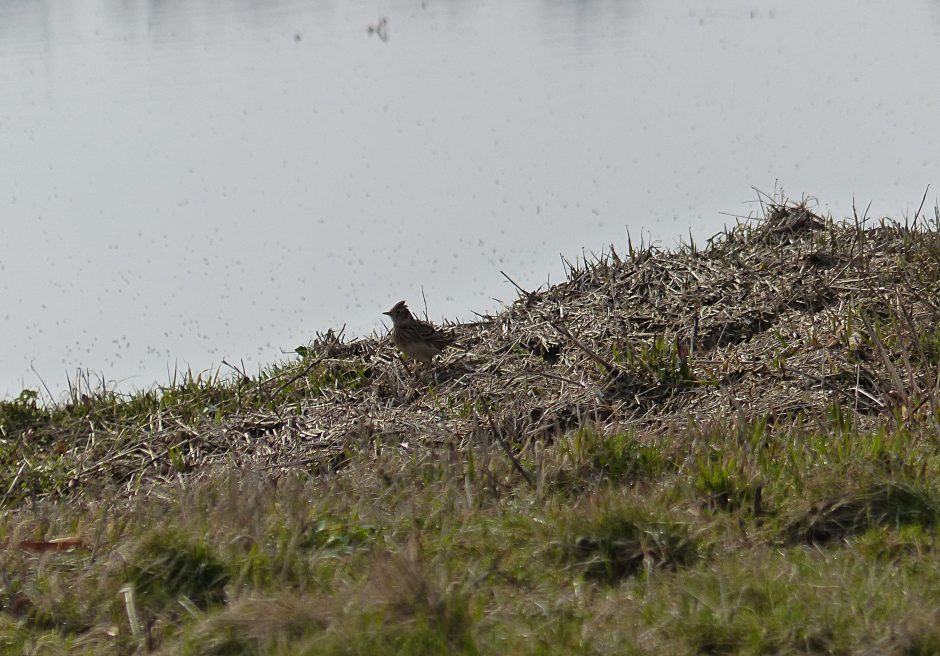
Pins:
x: 426, y: 330
x: 433, y: 335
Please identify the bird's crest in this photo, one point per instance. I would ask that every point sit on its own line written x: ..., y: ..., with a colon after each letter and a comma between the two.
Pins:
x: 399, y: 308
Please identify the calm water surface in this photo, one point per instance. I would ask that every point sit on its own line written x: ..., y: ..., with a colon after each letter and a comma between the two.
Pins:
x: 186, y: 181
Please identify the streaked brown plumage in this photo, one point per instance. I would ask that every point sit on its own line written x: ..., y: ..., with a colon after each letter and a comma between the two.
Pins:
x: 416, y: 339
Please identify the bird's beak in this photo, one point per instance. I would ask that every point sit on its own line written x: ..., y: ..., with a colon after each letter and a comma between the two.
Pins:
x: 387, y: 314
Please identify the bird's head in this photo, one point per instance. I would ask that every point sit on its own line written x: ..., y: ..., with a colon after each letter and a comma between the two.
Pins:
x: 399, y: 313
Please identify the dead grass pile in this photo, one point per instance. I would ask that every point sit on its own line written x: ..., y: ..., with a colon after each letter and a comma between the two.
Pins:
x: 794, y: 318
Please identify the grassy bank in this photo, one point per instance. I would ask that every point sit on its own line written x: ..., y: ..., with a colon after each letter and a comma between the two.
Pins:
x: 725, y: 448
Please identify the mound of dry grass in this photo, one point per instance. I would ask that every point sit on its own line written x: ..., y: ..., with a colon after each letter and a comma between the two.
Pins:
x: 780, y: 322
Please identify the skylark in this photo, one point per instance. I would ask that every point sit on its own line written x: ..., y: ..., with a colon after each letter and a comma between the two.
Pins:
x: 418, y: 340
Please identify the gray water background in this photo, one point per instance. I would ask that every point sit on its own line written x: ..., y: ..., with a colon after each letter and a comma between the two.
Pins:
x: 186, y: 181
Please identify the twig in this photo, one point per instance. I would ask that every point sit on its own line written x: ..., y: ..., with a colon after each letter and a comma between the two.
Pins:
x: 922, y: 201
x: 46, y: 387
x: 131, y: 608
x: 594, y: 356
x: 545, y: 374
x: 892, y: 370
x: 12, y: 484
x: 241, y: 373
x: 303, y: 373
x: 301, y: 461
x: 515, y: 462
x: 874, y: 403
x: 530, y: 296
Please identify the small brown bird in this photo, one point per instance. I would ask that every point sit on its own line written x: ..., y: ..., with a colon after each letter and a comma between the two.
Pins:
x: 416, y: 339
